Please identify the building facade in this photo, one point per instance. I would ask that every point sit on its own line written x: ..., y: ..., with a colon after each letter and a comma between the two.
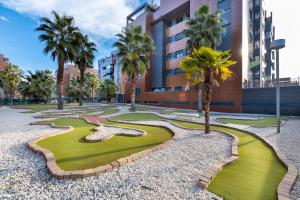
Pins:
x: 164, y: 84
x: 261, y: 34
x: 71, y: 71
x: 3, y: 62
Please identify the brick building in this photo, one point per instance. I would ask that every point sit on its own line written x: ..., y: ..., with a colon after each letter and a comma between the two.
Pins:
x: 72, y: 71
x: 164, y: 83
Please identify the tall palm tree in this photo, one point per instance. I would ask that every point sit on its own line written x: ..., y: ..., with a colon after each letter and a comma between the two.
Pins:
x: 204, y: 30
x: 84, y: 58
x: 205, y: 66
x: 11, y: 76
x: 38, y: 86
x: 134, y: 48
x: 60, y: 38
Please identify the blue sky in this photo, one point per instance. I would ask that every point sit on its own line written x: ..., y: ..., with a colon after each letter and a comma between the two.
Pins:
x: 101, y: 20
x: 19, y: 42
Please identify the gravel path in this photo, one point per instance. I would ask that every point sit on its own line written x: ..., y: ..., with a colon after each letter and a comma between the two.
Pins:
x: 168, y: 174
x: 287, y: 141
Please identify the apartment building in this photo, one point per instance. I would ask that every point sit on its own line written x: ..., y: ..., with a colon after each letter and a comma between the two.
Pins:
x: 261, y: 34
x: 72, y: 71
x: 164, y: 83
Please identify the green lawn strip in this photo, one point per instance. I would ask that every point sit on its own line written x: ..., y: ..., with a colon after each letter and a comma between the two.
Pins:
x: 136, y: 117
x: 37, y: 107
x: 262, y: 122
x: 255, y: 176
x: 110, y: 111
x: 73, y: 153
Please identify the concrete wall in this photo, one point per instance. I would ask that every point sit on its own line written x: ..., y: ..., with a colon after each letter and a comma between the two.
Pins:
x: 263, y: 100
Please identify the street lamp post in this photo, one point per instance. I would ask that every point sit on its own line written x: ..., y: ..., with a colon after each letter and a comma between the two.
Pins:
x: 276, y: 45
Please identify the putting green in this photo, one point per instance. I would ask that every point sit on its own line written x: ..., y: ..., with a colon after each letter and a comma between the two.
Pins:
x: 266, y: 121
x: 255, y: 176
x: 73, y: 153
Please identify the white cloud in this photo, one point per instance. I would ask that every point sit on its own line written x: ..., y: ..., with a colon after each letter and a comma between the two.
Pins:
x: 2, y: 18
x: 102, y: 18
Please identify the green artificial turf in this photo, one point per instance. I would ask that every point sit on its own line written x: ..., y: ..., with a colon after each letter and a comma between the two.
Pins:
x: 73, y: 153
x: 255, y: 176
x: 265, y: 121
x: 110, y: 111
x: 136, y: 117
x: 37, y: 107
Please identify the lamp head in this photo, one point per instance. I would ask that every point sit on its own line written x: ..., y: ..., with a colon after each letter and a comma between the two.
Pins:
x: 278, y: 44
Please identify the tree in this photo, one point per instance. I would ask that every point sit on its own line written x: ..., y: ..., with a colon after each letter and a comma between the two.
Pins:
x: 205, y: 66
x: 204, y: 30
x: 38, y: 86
x: 11, y: 76
x: 60, y: 38
x: 92, y: 83
x: 134, y: 49
x: 84, y: 58
x: 73, y: 89
x: 108, y: 89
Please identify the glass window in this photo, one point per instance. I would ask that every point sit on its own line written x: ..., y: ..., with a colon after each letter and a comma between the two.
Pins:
x: 178, y: 88
x: 137, y: 91
x: 178, y: 20
x: 179, y: 54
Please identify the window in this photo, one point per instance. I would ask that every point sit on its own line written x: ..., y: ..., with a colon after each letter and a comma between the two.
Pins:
x: 178, y: 20
x: 178, y: 71
x: 178, y: 88
x: 137, y: 92
x: 168, y: 89
x: 169, y: 56
x: 179, y: 54
x: 179, y: 36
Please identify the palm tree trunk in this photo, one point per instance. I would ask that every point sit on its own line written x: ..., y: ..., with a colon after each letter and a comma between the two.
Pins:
x: 81, y: 87
x: 207, y: 98
x: 199, y: 99
x: 133, y: 85
x: 59, y: 88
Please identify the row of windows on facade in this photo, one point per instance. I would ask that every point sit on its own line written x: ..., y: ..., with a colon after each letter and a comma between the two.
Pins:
x: 178, y: 20
x: 177, y: 54
x: 176, y: 37
x: 167, y: 89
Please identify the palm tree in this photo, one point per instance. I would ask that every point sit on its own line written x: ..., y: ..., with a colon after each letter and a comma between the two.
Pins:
x: 92, y: 83
x: 84, y: 58
x: 11, y: 76
x: 108, y: 89
x: 134, y: 49
x: 73, y: 88
x: 205, y: 66
x: 204, y: 30
x: 60, y: 37
x: 38, y: 86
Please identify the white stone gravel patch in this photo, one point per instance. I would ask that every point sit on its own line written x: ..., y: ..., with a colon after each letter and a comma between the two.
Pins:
x: 288, y: 141
x: 106, y: 132
x: 168, y: 174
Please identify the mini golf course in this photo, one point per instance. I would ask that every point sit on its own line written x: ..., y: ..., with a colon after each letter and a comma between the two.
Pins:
x: 72, y: 152
x: 255, y: 175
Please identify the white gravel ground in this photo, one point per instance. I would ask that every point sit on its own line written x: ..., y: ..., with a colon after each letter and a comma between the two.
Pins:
x: 288, y: 141
x: 168, y: 174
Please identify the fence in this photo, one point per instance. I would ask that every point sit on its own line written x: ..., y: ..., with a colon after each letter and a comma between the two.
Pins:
x: 263, y: 100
